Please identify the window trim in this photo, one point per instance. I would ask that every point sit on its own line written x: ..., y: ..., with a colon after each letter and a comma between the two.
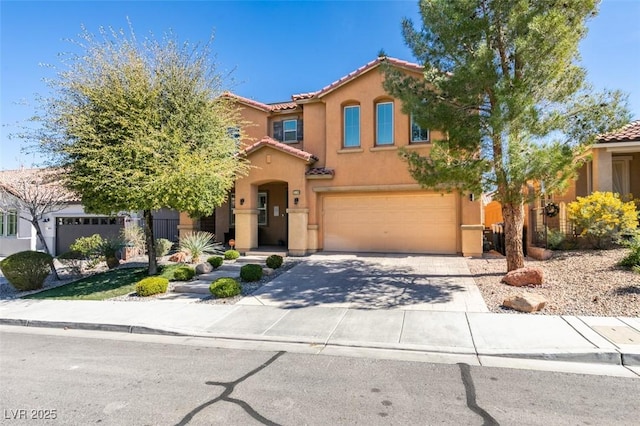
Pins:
x: 285, y: 131
x: 9, y: 224
x: 344, y: 125
x: 378, y: 123
x: 412, y: 123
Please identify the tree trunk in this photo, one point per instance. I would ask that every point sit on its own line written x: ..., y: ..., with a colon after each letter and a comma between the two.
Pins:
x: 513, y: 215
x: 151, y: 242
x: 36, y: 225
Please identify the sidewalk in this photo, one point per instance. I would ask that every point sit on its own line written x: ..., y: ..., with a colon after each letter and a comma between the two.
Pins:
x: 466, y: 335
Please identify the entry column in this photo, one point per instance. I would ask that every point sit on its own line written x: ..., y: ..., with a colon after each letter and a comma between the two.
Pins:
x: 298, y: 221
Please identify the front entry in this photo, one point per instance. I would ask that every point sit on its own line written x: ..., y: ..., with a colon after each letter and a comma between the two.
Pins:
x: 272, y: 214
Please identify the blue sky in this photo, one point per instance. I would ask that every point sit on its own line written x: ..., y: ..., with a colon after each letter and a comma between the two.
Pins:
x: 274, y: 49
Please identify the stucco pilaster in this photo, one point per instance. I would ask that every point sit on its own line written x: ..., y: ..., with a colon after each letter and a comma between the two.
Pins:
x: 472, y: 240
x: 298, y: 229
x: 602, y: 175
x: 246, y: 229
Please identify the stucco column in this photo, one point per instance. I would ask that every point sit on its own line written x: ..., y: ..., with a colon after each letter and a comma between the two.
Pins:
x: 602, y: 170
x: 471, y: 225
x: 298, y: 221
x: 187, y: 225
x: 472, y: 240
x: 246, y: 229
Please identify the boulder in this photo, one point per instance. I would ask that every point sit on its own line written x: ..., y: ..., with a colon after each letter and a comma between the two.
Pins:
x: 525, y: 302
x: 267, y: 271
x: 179, y: 257
x: 203, y: 268
x: 524, y: 276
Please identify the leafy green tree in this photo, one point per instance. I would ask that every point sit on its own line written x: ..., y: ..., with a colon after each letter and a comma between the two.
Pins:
x: 502, y: 79
x: 141, y: 125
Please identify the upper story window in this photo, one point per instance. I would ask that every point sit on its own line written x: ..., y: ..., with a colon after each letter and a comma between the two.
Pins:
x: 384, y: 123
x: 9, y: 224
x: 288, y: 131
x: 418, y: 134
x: 352, y: 126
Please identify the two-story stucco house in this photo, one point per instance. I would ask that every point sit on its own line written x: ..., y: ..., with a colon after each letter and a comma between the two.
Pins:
x: 326, y: 175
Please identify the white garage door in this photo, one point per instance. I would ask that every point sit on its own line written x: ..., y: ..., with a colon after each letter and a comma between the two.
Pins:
x: 391, y: 222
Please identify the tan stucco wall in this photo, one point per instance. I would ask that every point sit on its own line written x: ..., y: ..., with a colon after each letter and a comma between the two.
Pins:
x: 254, y: 124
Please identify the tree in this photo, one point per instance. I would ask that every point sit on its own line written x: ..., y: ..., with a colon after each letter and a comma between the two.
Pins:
x: 33, y: 193
x: 141, y: 125
x: 503, y: 80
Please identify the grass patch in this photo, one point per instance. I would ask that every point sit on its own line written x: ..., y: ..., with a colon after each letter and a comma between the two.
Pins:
x: 168, y: 271
x: 113, y: 283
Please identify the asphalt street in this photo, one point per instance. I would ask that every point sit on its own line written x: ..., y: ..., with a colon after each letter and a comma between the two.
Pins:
x: 82, y: 378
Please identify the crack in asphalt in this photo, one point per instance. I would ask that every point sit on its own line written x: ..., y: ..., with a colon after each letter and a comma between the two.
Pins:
x: 225, y: 396
x: 470, y: 389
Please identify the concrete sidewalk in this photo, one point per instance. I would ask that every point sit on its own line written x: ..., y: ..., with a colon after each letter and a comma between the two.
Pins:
x: 468, y: 336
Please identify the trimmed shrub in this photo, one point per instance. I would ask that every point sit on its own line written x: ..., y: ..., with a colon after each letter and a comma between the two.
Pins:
x: 152, y: 285
x: 251, y: 272
x: 231, y: 254
x: 274, y: 261
x: 603, y: 217
x: 163, y: 246
x: 184, y: 273
x: 225, y: 287
x: 26, y: 270
x: 215, y: 261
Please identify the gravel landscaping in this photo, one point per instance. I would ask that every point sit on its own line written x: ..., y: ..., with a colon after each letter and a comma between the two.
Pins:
x: 581, y: 282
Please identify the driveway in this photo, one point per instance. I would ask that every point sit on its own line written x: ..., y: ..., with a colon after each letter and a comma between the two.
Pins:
x: 374, y: 281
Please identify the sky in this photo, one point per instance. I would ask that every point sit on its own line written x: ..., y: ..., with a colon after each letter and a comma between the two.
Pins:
x: 272, y: 49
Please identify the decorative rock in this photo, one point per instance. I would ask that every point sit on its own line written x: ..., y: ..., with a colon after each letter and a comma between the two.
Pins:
x: 267, y: 271
x: 524, y: 276
x: 203, y: 268
x: 179, y: 257
x: 525, y: 302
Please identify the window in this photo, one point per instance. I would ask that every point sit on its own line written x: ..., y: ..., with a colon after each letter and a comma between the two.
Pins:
x: 262, y: 208
x: 620, y: 175
x: 9, y: 224
x: 234, y: 133
x: 384, y: 123
x: 418, y: 134
x: 290, y: 130
x: 352, y: 126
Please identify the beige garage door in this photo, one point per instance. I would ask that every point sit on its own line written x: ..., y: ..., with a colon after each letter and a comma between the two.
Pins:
x: 391, y: 222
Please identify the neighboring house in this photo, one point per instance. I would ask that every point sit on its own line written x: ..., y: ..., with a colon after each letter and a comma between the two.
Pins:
x: 614, y: 167
x: 61, y: 228
x: 326, y: 175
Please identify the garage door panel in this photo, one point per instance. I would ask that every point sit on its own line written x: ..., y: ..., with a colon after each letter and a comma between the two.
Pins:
x: 422, y: 223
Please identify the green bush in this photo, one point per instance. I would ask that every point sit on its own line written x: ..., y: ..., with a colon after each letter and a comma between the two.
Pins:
x: 90, y: 247
x: 632, y: 259
x: 225, y: 287
x: 109, y: 250
x: 602, y: 217
x: 152, y: 285
x: 231, y: 254
x: 163, y: 246
x: 251, y: 272
x: 215, y: 261
x: 26, y: 270
x: 184, y: 273
x: 274, y: 261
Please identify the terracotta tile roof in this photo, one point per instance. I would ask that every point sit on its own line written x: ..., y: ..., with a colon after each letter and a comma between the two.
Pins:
x: 9, y: 178
x: 363, y: 69
x: 628, y: 133
x: 283, y: 106
x: 319, y: 171
x: 270, y: 142
x: 278, y: 106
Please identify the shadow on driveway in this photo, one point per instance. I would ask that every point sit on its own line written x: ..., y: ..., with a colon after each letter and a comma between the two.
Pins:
x: 368, y: 282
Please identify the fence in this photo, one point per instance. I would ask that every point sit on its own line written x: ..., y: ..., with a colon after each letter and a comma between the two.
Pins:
x: 549, y: 230
x: 164, y: 228
x: 498, y: 239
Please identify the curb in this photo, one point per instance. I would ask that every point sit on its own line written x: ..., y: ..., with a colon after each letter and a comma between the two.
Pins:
x: 606, y: 357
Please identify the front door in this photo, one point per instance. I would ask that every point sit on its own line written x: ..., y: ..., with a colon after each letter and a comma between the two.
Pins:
x: 272, y: 215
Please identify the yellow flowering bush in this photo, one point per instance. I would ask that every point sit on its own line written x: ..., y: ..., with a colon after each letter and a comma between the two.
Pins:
x: 602, y: 217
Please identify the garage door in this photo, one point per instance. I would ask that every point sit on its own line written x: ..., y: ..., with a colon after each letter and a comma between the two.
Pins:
x: 390, y: 222
x: 68, y: 229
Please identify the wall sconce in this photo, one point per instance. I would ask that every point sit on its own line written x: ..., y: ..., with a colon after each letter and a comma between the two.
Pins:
x: 46, y: 219
x: 296, y: 201
x: 472, y: 197
x: 242, y: 201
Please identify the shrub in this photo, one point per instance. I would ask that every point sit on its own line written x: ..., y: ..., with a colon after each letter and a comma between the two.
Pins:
x: 199, y: 243
x: 109, y: 249
x: 215, y: 261
x: 184, y: 273
x: 251, y: 272
x: 231, y: 254
x: 602, y: 217
x: 632, y: 259
x: 90, y: 248
x: 225, y: 287
x: 163, y: 246
x: 274, y: 261
x: 152, y: 285
x: 26, y: 270
x: 133, y: 237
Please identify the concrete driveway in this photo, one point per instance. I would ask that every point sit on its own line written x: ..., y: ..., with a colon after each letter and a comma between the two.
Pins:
x: 374, y: 281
